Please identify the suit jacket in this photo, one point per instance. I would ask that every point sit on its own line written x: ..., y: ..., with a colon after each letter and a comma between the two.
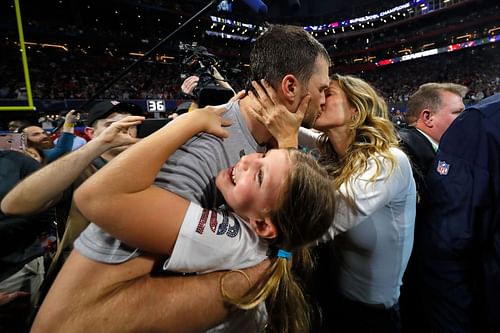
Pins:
x: 420, y: 152
x: 460, y: 239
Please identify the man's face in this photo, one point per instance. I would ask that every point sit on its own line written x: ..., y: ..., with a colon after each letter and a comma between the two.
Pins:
x: 451, y: 106
x: 37, y: 138
x: 99, y: 126
x: 316, y: 87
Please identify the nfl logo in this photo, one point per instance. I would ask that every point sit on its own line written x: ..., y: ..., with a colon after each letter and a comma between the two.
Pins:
x: 443, y: 168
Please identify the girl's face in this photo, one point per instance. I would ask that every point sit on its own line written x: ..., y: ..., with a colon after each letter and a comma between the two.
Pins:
x: 252, y: 187
x: 338, y: 112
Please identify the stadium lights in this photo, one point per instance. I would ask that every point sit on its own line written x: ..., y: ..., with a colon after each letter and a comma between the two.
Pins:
x: 48, y: 45
x: 465, y: 36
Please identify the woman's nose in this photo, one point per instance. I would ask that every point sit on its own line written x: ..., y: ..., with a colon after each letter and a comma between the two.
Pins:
x: 246, y: 160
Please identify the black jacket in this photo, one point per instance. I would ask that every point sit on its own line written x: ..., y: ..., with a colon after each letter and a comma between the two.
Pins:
x: 420, y: 152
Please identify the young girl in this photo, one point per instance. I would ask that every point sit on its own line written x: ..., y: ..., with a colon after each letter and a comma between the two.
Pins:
x: 277, y: 202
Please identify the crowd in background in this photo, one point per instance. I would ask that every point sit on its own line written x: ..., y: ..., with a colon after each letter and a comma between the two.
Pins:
x: 75, y: 76
x: 478, y: 69
x: 60, y: 74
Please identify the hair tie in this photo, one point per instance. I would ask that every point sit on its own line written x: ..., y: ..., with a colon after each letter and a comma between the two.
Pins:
x: 284, y: 254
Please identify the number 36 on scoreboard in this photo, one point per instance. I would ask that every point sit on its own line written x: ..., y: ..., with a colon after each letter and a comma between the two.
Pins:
x: 155, y: 105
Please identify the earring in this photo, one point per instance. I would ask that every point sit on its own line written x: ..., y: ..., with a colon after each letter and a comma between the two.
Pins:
x: 353, y: 117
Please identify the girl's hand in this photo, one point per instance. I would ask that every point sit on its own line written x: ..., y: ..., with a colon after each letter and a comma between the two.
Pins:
x: 210, y: 120
x: 279, y: 121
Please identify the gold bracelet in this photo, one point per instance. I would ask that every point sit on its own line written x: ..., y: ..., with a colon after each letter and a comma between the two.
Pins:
x: 223, y: 276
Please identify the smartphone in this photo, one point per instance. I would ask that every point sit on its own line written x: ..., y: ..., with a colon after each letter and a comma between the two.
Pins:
x: 214, y: 96
x: 12, y: 141
x: 149, y: 126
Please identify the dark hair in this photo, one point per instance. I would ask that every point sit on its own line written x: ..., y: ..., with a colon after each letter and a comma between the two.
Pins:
x: 304, y: 214
x: 282, y: 50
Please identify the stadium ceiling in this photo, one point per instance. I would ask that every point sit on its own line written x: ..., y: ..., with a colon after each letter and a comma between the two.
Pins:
x: 300, y: 12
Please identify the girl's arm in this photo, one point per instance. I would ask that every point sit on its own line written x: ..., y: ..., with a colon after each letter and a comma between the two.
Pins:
x: 120, y: 197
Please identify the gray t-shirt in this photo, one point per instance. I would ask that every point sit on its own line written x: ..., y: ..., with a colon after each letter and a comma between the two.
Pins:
x: 190, y: 172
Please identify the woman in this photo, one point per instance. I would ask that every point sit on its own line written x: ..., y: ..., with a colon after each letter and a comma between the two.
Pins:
x: 375, y: 213
x: 262, y: 193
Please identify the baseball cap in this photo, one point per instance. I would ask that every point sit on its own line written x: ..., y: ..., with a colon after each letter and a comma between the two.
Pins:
x: 101, y: 110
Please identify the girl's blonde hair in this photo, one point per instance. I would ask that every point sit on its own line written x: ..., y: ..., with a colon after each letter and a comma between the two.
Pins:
x: 306, y: 210
x: 372, y: 133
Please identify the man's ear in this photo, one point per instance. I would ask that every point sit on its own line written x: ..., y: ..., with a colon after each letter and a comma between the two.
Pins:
x: 264, y: 228
x: 426, y: 117
x: 89, y: 131
x: 289, y: 86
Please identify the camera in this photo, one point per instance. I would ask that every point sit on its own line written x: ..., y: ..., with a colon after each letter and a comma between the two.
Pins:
x: 196, y: 60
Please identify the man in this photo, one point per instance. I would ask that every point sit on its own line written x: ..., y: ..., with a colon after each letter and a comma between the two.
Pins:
x: 460, y: 239
x: 39, y: 145
x: 103, y: 274
x: 432, y: 108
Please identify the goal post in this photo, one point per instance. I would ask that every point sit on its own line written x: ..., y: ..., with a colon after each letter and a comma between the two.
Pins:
x: 24, y: 58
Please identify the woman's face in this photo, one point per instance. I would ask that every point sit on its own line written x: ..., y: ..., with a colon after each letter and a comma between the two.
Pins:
x: 337, y: 111
x: 252, y: 187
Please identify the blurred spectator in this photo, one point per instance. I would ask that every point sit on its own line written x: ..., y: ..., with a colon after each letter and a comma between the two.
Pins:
x: 39, y: 145
x: 14, y: 125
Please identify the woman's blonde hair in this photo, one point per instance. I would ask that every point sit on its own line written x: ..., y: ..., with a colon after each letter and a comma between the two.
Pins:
x: 372, y: 133
x: 306, y: 210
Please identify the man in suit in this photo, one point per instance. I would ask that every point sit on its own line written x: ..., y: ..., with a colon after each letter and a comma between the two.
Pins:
x: 431, y: 110
x: 460, y: 223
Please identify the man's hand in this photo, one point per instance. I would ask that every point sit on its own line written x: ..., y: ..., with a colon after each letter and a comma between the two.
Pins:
x: 189, y: 84
x: 70, y: 121
x: 120, y: 133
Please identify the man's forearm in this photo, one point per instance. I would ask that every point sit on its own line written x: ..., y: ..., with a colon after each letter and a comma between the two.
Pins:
x: 184, y: 304
x: 125, y: 298
x: 41, y: 189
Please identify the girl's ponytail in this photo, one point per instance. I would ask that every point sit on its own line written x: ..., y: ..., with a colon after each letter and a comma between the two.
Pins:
x: 288, y: 310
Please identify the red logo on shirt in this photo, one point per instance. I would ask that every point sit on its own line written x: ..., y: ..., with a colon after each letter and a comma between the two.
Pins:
x: 202, y: 222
